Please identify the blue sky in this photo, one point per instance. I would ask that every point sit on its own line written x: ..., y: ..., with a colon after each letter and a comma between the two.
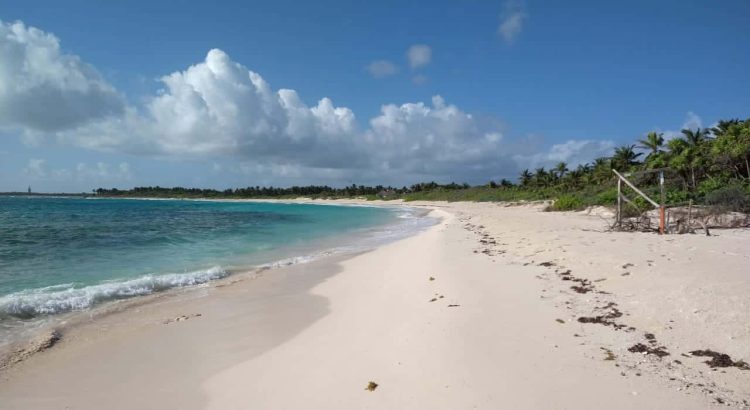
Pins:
x: 521, y: 84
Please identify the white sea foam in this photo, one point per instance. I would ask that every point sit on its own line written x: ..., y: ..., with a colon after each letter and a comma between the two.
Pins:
x: 65, y: 298
x: 68, y: 297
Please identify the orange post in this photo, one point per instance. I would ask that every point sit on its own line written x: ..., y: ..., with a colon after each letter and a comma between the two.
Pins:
x: 661, y: 220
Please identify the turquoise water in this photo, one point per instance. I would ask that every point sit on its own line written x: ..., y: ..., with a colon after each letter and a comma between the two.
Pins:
x: 64, y: 254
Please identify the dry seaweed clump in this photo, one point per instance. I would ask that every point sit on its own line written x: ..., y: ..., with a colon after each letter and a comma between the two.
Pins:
x: 641, y: 348
x: 371, y: 386
x: 720, y: 359
x: 607, y: 319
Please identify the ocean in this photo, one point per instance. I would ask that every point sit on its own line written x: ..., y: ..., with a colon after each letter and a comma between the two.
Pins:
x: 60, y: 255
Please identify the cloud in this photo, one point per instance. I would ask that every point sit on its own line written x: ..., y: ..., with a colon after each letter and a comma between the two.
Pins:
x: 44, y: 90
x: 419, y: 55
x: 439, y: 141
x: 511, y: 21
x: 382, y: 68
x: 572, y: 152
x: 218, y: 109
x: 36, y: 168
x: 692, y: 121
x: 100, y: 172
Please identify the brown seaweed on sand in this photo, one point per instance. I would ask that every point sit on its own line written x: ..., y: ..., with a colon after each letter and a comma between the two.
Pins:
x: 720, y: 359
x: 606, y: 319
x: 641, y: 348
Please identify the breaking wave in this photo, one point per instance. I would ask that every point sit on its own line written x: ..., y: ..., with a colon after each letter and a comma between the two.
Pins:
x: 65, y: 298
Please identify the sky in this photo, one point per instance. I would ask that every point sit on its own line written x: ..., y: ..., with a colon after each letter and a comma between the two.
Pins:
x: 241, y: 93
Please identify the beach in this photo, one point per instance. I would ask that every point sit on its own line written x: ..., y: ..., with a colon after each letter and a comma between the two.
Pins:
x: 495, y: 306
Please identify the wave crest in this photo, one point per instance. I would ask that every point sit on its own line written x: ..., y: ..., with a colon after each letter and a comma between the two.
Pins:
x: 65, y: 298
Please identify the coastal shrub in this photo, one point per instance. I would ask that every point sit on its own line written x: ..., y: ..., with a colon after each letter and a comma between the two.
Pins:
x: 710, y: 185
x: 606, y: 198
x: 675, y: 197
x: 567, y: 202
x: 731, y: 198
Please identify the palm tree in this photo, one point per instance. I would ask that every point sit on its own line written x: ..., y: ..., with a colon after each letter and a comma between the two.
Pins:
x: 601, y: 169
x: 693, y: 141
x: 653, y: 142
x: 731, y: 146
x: 695, y: 137
x: 526, y: 177
x: 625, y: 157
x: 541, y: 177
x: 561, y: 168
x: 685, y: 153
x: 723, y: 126
x: 585, y: 174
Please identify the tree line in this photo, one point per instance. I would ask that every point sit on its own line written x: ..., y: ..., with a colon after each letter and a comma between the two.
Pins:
x: 701, y: 165
x: 717, y: 155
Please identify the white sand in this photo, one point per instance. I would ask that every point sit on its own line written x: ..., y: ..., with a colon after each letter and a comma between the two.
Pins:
x: 314, y: 335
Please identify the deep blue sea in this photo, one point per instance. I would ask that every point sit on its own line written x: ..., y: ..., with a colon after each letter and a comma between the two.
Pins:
x: 66, y: 254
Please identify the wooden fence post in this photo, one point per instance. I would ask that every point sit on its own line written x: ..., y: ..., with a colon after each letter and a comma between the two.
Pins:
x: 619, y: 203
x: 644, y: 196
x: 662, y: 200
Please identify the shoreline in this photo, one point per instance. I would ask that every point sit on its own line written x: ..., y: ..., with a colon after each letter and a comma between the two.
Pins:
x: 31, y: 330
x: 498, y: 325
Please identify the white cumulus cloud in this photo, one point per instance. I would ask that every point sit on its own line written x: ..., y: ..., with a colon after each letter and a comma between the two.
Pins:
x: 218, y: 108
x: 572, y: 152
x: 439, y: 140
x: 45, y: 90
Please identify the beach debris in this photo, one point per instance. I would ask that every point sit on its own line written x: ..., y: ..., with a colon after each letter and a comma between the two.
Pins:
x: 432, y: 278
x: 454, y: 305
x: 584, y: 287
x: 182, y: 318
x: 581, y: 289
x: 433, y: 299
x: 37, y: 345
x: 608, y: 354
x: 641, y: 348
x: 720, y: 359
x: 559, y: 321
x: 371, y: 386
x: 606, y: 319
x: 547, y: 264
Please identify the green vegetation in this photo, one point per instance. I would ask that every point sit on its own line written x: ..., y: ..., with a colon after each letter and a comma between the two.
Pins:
x: 567, y: 202
x: 705, y: 166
